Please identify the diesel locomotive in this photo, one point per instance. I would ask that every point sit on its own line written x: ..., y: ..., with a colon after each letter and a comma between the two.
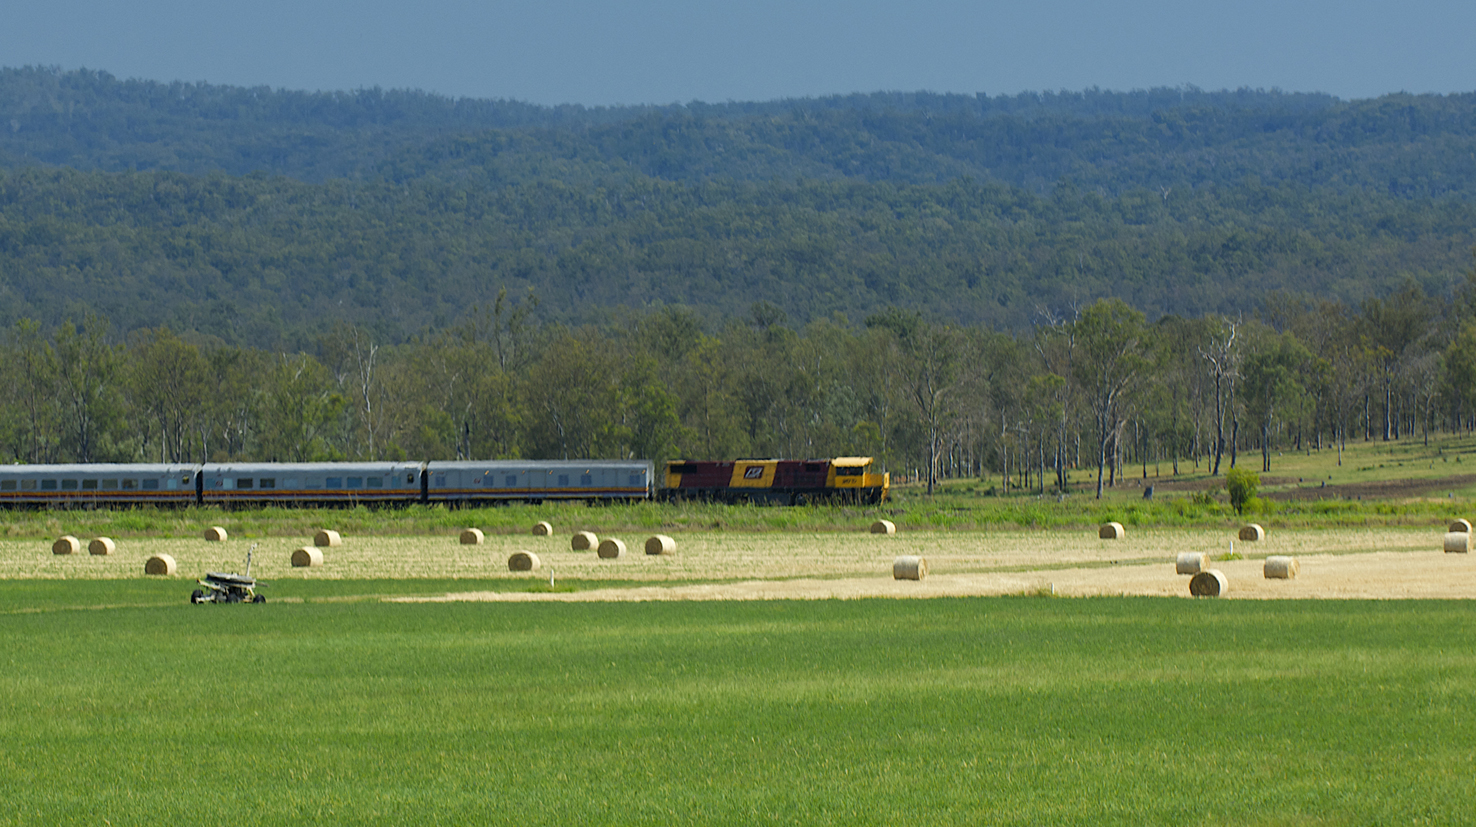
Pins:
x: 777, y: 481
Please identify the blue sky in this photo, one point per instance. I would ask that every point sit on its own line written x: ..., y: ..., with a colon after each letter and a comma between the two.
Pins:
x: 661, y: 51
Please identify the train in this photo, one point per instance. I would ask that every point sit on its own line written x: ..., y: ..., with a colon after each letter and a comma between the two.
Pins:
x: 773, y: 481
x: 777, y: 481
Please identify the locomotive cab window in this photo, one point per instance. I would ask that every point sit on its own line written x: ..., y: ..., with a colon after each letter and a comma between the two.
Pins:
x: 849, y: 471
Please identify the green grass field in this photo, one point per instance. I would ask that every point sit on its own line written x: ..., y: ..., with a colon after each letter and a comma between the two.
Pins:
x: 122, y: 704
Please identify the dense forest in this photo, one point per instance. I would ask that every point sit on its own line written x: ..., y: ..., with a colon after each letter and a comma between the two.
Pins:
x: 1024, y: 286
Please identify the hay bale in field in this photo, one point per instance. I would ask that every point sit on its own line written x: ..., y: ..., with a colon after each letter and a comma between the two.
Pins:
x: 1281, y: 568
x: 1252, y: 533
x: 216, y: 534
x: 472, y: 537
x: 1112, y: 531
x: 1209, y: 583
x: 327, y: 538
x: 307, y: 557
x: 523, y: 561
x: 909, y: 568
x: 584, y: 541
x: 160, y: 564
x: 1190, y: 562
x: 660, y: 544
x: 610, y: 549
x: 883, y: 527
x: 1461, y: 525
x: 542, y: 528
x: 66, y: 544
x: 101, y: 546
x: 1457, y: 542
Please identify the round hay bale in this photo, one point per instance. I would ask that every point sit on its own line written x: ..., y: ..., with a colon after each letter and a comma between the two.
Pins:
x: 542, y: 528
x: 102, y: 545
x: 1252, y: 533
x: 1112, y: 531
x: 216, y: 534
x: 584, y: 541
x: 307, y: 557
x: 1461, y: 525
x: 909, y: 568
x: 472, y: 537
x: 660, y: 544
x: 883, y: 527
x: 1281, y: 568
x: 523, y: 561
x: 66, y: 544
x: 1209, y: 583
x: 1189, y: 562
x: 160, y: 564
x: 1457, y: 542
x: 611, y: 549
x: 327, y: 538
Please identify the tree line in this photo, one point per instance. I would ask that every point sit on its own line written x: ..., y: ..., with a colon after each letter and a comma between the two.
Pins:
x: 1079, y: 401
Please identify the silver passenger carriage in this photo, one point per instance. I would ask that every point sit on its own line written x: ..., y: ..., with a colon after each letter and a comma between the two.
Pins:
x: 538, y: 480
x: 348, y: 483
x: 97, y: 484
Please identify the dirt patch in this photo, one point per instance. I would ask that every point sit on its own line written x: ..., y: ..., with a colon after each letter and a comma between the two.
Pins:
x: 1378, y: 489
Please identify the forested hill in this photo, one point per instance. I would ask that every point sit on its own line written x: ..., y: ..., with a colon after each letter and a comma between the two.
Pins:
x: 257, y: 214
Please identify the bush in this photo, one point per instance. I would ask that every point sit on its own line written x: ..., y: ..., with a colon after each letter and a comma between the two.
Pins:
x: 1241, y: 485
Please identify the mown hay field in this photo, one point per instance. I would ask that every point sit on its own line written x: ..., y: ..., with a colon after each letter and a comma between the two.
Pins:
x: 1374, y: 562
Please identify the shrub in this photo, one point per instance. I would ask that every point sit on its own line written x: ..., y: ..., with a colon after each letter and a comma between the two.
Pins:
x: 1241, y: 485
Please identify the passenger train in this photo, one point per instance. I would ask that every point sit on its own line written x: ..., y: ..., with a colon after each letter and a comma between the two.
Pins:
x: 772, y: 481
x: 326, y: 483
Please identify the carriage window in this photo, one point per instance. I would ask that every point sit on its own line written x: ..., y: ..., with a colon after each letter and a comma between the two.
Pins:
x: 333, y: 482
x: 355, y: 482
x: 268, y: 482
x: 409, y: 479
x: 563, y: 479
x: 376, y: 482
x: 69, y: 485
x: 7, y: 485
x: 28, y: 485
x: 110, y: 485
x: 512, y: 479
x: 48, y: 485
x: 89, y: 485
x: 129, y: 485
x: 184, y: 480
x: 151, y: 485
x: 244, y: 482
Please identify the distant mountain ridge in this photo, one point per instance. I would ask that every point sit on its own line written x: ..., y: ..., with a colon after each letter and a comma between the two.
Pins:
x: 255, y: 213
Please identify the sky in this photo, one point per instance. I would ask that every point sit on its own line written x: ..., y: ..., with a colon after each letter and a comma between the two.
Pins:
x: 665, y: 51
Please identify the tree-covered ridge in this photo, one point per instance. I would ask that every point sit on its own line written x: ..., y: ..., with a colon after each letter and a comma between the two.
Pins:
x: 267, y: 261
x: 1411, y: 146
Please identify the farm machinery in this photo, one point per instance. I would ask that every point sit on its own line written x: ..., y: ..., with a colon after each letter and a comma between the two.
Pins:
x: 220, y: 587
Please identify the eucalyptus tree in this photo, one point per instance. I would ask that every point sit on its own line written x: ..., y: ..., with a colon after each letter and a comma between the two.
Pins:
x: 928, y: 373
x: 1112, y: 344
x: 1272, y: 380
